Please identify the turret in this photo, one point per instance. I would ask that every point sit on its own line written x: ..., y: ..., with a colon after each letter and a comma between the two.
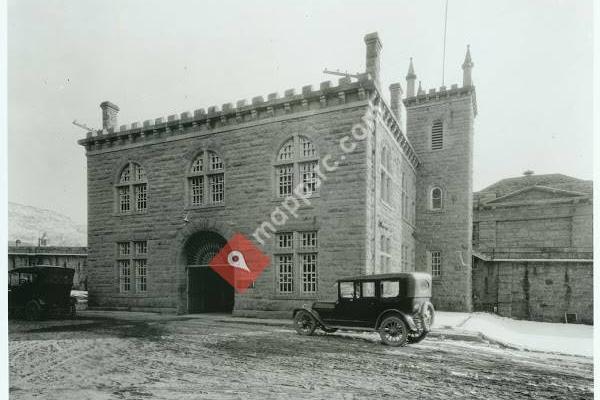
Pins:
x: 467, y: 68
x: 109, y: 115
x: 411, y: 77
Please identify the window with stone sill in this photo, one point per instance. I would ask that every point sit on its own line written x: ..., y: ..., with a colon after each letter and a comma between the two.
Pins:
x: 435, y: 257
x: 132, y: 189
x: 298, y: 261
x: 206, y: 180
x: 132, y: 254
x: 296, y: 163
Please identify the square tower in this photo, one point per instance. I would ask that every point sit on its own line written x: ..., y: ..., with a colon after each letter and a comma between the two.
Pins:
x: 440, y: 128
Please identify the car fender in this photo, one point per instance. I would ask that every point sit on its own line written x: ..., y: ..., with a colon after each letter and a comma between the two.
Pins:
x: 407, y: 318
x: 312, y: 312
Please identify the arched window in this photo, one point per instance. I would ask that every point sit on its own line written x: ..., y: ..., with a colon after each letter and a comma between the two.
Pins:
x: 386, y: 176
x: 437, y: 200
x: 437, y: 135
x: 296, y: 163
x: 206, y: 180
x: 132, y: 189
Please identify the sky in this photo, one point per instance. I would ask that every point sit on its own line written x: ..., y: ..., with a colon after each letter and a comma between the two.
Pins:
x: 533, y: 73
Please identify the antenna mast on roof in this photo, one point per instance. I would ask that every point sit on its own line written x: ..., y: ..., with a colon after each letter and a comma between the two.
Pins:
x: 444, y: 54
x: 83, y: 126
x: 338, y: 73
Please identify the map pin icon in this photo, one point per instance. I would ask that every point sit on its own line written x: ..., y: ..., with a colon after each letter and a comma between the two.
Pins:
x: 236, y: 259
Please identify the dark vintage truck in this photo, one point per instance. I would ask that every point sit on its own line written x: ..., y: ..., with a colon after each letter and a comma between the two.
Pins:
x: 40, y: 291
x: 395, y: 305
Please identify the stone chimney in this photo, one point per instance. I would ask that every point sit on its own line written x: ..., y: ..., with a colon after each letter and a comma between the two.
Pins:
x: 373, y: 50
x: 396, y: 100
x: 109, y: 115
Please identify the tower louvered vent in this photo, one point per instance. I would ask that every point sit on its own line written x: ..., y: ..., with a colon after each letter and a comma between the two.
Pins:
x: 437, y: 136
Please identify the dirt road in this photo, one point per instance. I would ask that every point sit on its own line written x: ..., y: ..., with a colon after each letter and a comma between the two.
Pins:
x: 197, y: 358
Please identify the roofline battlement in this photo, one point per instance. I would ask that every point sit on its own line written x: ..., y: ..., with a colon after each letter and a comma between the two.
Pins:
x: 441, y: 94
x: 308, y: 99
x: 346, y: 91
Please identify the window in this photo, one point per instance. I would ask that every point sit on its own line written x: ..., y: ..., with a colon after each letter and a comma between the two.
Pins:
x: 138, y: 259
x: 206, y: 186
x: 368, y: 289
x: 436, y: 198
x: 390, y: 288
x: 347, y: 290
x: 132, y: 183
x: 437, y: 135
x: 386, y: 177
x: 404, y: 196
x: 385, y: 247
x: 308, y: 239
x: 475, y: 233
x: 309, y: 272
x: 285, y: 273
x: 297, y: 163
x: 436, y: 263
x: 285, y: 240
x: 300, y: 260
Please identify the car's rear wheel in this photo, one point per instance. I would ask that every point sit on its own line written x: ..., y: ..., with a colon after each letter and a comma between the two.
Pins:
x: 393, y: 331
x: 305, y: 323
x: 32, y: 311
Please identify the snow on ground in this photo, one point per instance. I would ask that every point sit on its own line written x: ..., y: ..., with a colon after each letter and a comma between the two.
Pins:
x: 575, y: 339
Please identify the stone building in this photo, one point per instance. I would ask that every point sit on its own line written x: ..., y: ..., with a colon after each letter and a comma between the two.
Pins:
x: 325, y: 181
x: 69, y: 257
x: 532, y: 237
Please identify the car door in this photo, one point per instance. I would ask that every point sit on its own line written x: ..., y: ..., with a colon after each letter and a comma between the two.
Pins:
x: 344, y: 308
x: 365, y: 304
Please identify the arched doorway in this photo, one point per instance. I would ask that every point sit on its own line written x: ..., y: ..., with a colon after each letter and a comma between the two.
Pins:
x: 207, y: 291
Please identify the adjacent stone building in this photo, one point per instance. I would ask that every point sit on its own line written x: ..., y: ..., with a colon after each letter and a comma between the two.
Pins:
x: 325, y: 181
x: 533, y: 248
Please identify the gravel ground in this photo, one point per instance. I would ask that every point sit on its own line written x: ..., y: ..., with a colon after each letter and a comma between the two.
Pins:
x: 198, y: 358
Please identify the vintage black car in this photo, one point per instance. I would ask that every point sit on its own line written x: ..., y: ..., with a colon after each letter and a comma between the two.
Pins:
x: 39, y: 291
x: 396, y: 305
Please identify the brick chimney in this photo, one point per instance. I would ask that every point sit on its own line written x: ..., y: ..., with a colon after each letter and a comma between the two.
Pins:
x: 373, y: 49
x: 396, y: 101
x: 109, y: 115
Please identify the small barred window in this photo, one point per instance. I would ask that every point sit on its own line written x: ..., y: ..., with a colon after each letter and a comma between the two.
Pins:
x: 436, y: 198
x: 436, y: 263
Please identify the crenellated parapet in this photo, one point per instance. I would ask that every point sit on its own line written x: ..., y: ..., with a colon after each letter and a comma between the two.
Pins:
x: 443, y: 93
x: 258, y: 110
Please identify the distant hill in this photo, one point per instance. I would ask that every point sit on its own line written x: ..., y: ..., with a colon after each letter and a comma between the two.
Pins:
x: 27, y: 224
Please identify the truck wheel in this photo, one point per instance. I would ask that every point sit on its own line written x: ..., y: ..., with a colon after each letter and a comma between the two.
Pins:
x: 304, y: 323
x: 393, y: 331
x: 32, y: 311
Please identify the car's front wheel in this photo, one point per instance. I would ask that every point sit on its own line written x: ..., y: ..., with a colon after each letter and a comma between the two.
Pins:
x: 305, y: 323
x: 393, y: 331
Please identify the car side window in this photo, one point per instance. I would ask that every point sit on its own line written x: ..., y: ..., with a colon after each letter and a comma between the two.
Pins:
x: 13, y: 279
x: 368, y: 289
x: 347, y: 290
x: 25, y: 278
x: 390, y: 289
